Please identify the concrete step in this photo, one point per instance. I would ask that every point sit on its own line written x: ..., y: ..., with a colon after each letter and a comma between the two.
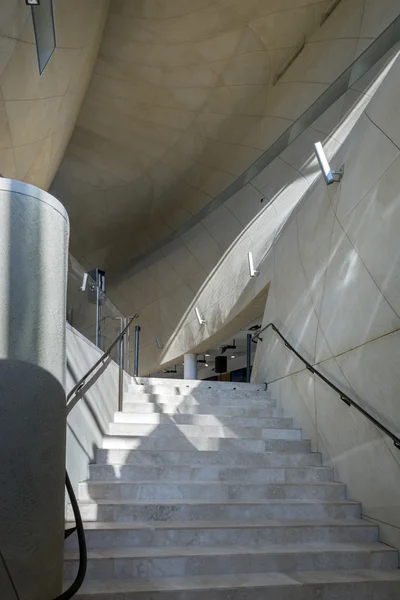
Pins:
x: 220, y: 533
x: 182, y: 443
x: 217, y: 386
x: 203, y: 420
x: 189, y: 510
x: 204, y: 399
x: 183, y: 386
x: 172, y: 561
x: 207, y: 458
x: 215, y: 491
x: 209, y: 473
x: 206, y: 431
x: 250, y: 410
x: 319, y: 585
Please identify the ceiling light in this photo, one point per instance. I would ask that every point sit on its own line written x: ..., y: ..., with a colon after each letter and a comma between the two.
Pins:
x: 233, y: 356
x: 32, y: 2
x: 206, y: 365
x: 206, y: 355
x: 228, y: 347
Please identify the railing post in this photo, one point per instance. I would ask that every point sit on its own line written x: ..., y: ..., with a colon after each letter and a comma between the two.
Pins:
x: 128, y: 360
x: 121, y: 367
x: 136, y: 364
x: 248, y: 366
x: 97, y: 315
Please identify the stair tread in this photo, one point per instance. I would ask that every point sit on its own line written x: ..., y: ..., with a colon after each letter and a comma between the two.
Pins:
x: 267, y: 523
x: 176, y: 551
x: 201, y: 437
x: 215, y: 453
x: 238, y: 580
x: 211, y: 482
x: 186, y: 501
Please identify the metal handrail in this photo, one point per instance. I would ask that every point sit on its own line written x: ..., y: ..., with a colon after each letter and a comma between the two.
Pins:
x: 343, y: 396
x: 79, y: 579
x: 101, y: 360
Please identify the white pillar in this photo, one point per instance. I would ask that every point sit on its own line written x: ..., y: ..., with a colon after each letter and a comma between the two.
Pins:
x: 190, y: 366
x: 34, y: 234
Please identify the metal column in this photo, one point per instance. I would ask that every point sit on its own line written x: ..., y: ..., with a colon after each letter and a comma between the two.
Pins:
x: 136, y: 363
x: 248, y: 366
x: 121, y: 356
x: 97, y: 315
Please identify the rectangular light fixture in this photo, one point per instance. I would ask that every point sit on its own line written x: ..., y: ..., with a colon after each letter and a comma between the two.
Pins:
x: 252, y: 270
x: 329, y: 175
x: 32, y: 2
x: 84, y: 282
x: 199, y: 317
x: 159, y: 344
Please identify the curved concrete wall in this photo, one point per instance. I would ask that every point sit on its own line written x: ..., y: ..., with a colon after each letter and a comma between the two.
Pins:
x: 181, y: 102
x: 34, y: 233
x: 330, y: 257
x: 207, y: 265
x: 38, y: 112
x: 335, y: 294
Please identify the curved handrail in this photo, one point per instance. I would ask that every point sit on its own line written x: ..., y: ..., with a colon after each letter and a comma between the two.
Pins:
x: 344, y: 397
x: 80, y: 576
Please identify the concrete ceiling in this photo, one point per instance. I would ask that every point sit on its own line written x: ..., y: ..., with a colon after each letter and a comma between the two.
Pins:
x: 177, y: 108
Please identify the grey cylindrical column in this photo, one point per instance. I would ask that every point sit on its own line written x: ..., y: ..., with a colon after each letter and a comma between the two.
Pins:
x: 33, y: 272
x: 190, y: 366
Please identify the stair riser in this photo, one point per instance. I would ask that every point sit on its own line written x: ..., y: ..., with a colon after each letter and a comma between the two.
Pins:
x: 187, y: 402
x: 252, y: 537
x: 204, y: 420
x: 226, y: 459
x: 196, y: 394
x: 203, y: 409
x: 218, y: 491
x: 185, y: 384
x: 183, y: 443
x: 142, y: 567
x: 133, y: 473
x: 208, y: 512
x: 371, y: 590
x: 208, y: 431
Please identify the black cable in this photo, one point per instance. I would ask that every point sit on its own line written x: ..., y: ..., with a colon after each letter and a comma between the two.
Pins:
x: 3, y: 560
x: 79, y: 579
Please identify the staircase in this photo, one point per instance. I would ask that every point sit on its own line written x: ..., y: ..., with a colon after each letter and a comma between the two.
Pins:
x: 204, y: 490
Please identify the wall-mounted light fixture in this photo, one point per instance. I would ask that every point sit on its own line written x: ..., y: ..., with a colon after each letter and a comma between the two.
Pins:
x: 252, y: 270
x: 199, y: 317
x: 84, y: 282
x: 329, y: 175
x: 159, y: 344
